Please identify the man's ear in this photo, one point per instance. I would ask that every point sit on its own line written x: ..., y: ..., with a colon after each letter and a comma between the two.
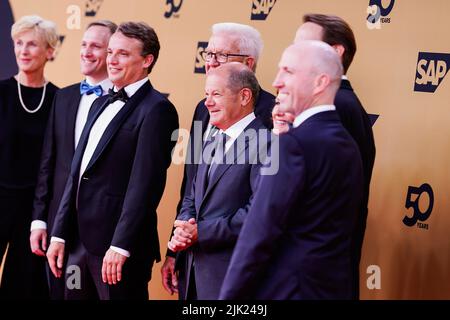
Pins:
x: 321, y: 82
x: 250, y: 62
x: 148, y: 60
x: 339, y: 48
x: 246, y: 96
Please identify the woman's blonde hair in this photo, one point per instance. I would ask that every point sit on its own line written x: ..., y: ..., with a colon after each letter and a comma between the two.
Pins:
x: 45, y: 28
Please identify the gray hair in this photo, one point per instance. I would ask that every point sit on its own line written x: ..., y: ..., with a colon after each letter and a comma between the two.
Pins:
x: 248, y: 39
x: 240, y: 77
x: 45, y: 28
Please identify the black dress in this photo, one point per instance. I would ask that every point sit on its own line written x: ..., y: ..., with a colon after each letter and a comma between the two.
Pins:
x: 21, y: 138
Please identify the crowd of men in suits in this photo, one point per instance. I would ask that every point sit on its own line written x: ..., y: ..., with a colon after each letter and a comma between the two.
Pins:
x: 240, y: 232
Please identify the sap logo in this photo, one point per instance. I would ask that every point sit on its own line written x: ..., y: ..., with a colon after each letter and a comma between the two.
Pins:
x: 92, y: 7
x: 431, y: 70
x: 199, y: 60
x: 418, y: 215
x: 261, y: 9
x: 172, y: 8
x: 377, y: 14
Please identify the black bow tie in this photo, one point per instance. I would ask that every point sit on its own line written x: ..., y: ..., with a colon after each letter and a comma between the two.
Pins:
x: 119, y: 95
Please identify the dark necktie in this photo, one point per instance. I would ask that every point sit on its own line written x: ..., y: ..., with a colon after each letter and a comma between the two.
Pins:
x: 86, y: 88
x: 119, y: 95
x: 218, y: 153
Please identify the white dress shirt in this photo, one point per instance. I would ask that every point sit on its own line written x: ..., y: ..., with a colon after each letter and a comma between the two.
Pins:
x: 236, y: 129
x: 85, y: 105
x: 80, y: 120
x: 95, y: 135
x: 310, y: 112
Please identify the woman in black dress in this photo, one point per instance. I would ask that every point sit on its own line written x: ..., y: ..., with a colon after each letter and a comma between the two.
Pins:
x: 25, y: 103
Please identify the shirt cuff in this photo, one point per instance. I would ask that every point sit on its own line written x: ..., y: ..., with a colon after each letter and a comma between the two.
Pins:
x: 56, y: 239
x: 38, y: 224
x: 121, y: 251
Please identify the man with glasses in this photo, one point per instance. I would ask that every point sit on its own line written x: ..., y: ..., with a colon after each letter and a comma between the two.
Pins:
x: 229, y: 42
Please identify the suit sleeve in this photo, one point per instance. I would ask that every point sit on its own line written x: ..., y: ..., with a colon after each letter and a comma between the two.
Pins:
x: 46, y: 170
x: 189, y: 173
x: 265, y: 223
x: 148, y: 175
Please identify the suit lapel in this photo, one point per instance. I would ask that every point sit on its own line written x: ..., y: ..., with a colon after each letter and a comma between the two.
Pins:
x: 235, y: 151
x: 73, y: 103
x: 117, y: 121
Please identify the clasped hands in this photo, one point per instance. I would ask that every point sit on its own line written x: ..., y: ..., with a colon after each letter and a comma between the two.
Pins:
x: 184, y: 235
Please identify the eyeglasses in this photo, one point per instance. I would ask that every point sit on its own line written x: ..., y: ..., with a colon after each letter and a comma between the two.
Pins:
x: 220, y: 57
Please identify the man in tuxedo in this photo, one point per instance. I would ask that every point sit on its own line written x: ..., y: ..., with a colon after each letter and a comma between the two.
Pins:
x: 338, y: 34
x: 213, y: 212
x: 68, y: 116
x: 229, y: 42
x: 107, y: 215
x: 295, y: 241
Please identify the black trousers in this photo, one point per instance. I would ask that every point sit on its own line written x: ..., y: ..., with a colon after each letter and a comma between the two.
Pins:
x: 24, y: 275
x: 136, y: 274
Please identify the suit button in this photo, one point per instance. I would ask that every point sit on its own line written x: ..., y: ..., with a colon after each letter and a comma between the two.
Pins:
x: 85, y: 178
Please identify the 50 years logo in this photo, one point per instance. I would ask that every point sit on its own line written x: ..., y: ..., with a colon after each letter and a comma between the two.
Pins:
x: 172, y: 8
x: 413, y: 202
x: 378, y: 14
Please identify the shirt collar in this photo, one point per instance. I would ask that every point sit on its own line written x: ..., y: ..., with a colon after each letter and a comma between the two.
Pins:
x: 344, y: 77
x: 236, y: 129
x: 106, y: 84
x: 310, y: 112
x: 132, y: 88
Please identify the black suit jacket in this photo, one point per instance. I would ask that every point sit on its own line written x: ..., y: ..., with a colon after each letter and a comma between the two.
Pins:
x: 220, y: 210
x: 57, y: 154
x: 124, y: 180
x: 263, y: 110
x: 357, y: 122
x: 295, y: 241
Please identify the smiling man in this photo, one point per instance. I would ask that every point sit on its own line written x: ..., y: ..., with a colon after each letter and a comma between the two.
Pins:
x: 295, y: 241
x: 229, y: 42
x: 107, y: 214
x: 213, y: 212
x: 70, y: 109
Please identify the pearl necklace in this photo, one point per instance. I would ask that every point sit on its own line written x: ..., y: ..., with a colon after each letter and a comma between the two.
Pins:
x: 21, y: 100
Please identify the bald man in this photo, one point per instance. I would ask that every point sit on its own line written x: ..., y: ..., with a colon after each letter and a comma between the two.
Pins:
x: 337, y: 33
x: 295, y: 241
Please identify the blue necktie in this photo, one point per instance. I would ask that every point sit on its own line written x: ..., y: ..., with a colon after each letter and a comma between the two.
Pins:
x: 88, y: 89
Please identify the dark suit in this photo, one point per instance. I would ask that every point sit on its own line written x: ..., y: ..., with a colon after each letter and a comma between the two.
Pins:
x: 220, y: 210
x: 263, y: 110
x: 121, y: 187
x: 295, y: 242
x: 356, y: 121
x: 57, y: 154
